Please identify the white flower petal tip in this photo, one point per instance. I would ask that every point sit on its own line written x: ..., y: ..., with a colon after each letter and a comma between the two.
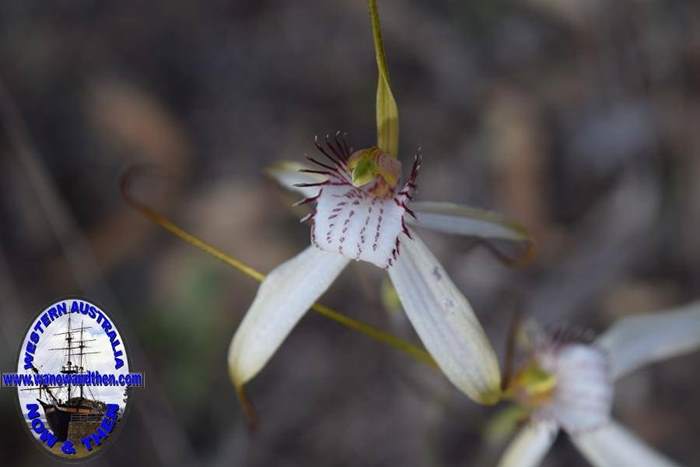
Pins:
x: 614, y: 446
x: 445, y: 322
x: 516, y: 246
x: 282, y: 299
x: 583, y: 391
x: 290, y: 176
x: 530, y: 445
x: 639, y: 340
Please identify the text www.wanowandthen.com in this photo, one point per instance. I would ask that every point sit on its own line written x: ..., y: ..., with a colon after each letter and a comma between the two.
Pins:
x: 89, y: 378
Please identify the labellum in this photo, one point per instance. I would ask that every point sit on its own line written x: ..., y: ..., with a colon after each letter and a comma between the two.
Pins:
x: 568, y: 383
x: 359, y: 209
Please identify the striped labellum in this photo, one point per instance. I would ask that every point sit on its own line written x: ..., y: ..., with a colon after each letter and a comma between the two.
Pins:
x: 360, y: 207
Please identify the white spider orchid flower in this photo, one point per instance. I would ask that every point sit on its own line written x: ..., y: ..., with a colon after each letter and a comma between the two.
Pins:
x: 360, y: 213
x: 570, y: 386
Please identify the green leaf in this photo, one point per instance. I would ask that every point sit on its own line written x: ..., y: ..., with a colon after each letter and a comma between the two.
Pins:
x: 387, y: 110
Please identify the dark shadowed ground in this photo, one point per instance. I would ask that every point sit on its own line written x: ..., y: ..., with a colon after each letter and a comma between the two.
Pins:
x: 577, y: 118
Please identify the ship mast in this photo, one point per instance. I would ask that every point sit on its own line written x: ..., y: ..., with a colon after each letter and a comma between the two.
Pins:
x: 82, y: 346
x: 70, y: 368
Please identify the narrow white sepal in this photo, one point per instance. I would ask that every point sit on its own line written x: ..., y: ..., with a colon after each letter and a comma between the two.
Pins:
x: 288, y: 174
x: 462, y: 220
x: 282, y: 299
x: 614, y: 446
x: 445, y: 322
x: 530, y: 445
x: 640, y: 340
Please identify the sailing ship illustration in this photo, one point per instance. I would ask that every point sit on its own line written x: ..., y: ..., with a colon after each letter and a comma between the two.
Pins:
x: 72, y: 411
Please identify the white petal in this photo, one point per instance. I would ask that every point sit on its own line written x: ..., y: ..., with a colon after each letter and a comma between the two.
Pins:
x: 530, y: 445
x: 639, y: 340
x: 282, y: 299
x: 613, y: 446
x: 463, y: 220
x: 445, y: 322
x: 287, y: 174
x: 583, y: 394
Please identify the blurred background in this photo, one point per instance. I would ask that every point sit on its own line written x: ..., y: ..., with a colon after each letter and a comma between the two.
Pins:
x: 576, y: 118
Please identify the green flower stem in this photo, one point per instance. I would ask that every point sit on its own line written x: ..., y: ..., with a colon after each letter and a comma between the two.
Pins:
x: 387, y: 110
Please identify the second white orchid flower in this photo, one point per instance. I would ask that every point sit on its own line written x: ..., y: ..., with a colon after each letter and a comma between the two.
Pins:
x: 569, y: 385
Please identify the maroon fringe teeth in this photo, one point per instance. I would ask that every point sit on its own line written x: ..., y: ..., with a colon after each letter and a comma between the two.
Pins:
x: 337, y: 151
x: 401, y: 198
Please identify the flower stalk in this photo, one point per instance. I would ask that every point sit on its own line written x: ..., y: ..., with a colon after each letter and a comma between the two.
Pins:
x: 387, y: 110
